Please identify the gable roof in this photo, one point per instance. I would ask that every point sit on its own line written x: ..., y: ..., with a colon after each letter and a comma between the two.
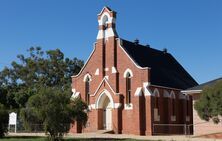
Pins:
x: 165, y: 70
x: 201, y: 86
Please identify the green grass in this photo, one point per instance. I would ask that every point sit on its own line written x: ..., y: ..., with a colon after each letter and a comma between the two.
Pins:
x: 21, y: 138
x: 34, y: 138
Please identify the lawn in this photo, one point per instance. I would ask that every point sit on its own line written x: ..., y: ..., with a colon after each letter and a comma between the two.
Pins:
x: 25, y: 138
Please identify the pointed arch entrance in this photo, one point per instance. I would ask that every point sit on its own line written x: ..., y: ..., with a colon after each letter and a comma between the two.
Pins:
x: 105, y: 105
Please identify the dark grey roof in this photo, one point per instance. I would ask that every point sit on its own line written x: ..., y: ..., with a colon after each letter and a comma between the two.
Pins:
x: 209, y: 83
x: 165, y: 70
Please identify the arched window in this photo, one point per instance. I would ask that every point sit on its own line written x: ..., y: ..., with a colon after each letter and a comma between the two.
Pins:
x: 87, y: 88
x: 128, y: 88
x: 173, y: 97
x: 105, y: 21
x: 156, y: 105
x: 156, y: 97
x: 187, y: 104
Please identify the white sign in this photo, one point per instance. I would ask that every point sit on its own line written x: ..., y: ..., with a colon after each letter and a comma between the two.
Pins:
x: 12, y: 118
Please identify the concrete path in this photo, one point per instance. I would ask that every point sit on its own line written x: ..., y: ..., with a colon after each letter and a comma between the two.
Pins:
x: 123, y: 136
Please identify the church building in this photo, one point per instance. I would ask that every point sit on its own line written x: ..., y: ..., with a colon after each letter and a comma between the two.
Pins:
x: 131, y: 88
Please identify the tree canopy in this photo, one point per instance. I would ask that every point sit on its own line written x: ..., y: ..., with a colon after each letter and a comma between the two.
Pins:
x: 39, y: 86
x: 209, y: 106
x: 39, y: 69
x: 53, y: 109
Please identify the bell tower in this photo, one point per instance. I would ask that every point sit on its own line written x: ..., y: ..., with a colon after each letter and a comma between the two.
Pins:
x: 107, y: 24
x: 107, y: 45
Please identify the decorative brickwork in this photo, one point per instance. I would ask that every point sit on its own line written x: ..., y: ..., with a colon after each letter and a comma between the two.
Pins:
x: 106, y: 70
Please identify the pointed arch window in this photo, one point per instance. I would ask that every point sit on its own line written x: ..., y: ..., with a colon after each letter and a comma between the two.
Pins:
x: 156, y: 105
x: 128, y: 88
x: 173, y: 97
x: 156, y: 97
x: 87, y: 88
x: 187, y: 104
x: 87, y: 79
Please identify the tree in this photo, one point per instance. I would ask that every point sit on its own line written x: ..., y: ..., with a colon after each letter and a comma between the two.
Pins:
x: 53, y: 108
x: 4, y: 118
x: 39, y: 69
x: 209, y: 106
x: 40, y: 85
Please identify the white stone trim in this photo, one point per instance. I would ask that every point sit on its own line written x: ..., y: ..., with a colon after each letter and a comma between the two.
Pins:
x: 117, y: 105
x: 191, y: 91
x: 73, y: 90
x: 109, y: 18
x: 87, y: 76
x: 100, y: 34
x: 97, y: 71
x: 129, y: 56
x: 138, y: 91
x: 114, y: 70
x: 103, y: 10
x: 104, y: 92
x: 172, y: 95
x: 156, y: 92
x: 107, y: 77
x: 75, y: 95
x: 146, y: 90
x: 128, y: 71
x: 92, y: 106
x: 106, y: 69
x: 104, y: 79
x: 109, y: 32
x: 128, y: 106
x: 166, y: 94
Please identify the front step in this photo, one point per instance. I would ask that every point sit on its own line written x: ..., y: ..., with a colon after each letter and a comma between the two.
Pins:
x: 105, y: 132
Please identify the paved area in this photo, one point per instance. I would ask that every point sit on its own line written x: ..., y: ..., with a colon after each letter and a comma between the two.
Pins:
x: 123, y: 136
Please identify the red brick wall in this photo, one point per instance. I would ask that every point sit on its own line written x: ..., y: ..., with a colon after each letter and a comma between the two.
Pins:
x: 138, y: 120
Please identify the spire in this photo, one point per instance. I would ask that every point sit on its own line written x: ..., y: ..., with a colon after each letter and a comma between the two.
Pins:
x: 107, y: 23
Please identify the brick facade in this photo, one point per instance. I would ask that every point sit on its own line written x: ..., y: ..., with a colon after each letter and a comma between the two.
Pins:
x: 106, y: 70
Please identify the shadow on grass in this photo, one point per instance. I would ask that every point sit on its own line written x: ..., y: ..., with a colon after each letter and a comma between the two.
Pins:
x: 22, y: 137
x: 38, y: 138
x: 99, y: 139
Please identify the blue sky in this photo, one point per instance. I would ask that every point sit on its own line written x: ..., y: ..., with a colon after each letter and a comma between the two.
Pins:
x: 191, y: 30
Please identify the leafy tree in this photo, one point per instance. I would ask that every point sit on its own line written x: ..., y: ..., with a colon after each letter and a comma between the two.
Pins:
x: 53, y: 108
x: 39, y: 69
x: 209, y: 106
x: 4, y: 117
x: 40, y: 85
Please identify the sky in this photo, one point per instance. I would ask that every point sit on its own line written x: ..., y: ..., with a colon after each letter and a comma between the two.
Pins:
x: 191, y: 30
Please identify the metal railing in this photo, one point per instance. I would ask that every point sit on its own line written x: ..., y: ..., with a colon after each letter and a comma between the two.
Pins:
x: 172, y: 129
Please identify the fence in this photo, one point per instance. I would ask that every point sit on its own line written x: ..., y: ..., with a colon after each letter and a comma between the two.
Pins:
x: 34, y: 128
x: 172, y: 129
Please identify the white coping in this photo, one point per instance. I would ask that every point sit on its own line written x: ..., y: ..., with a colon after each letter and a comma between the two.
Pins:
x: 97, y: 71
x: 87, y: 76
x: 114, y: 70
x: 128, y: 106
x: 104, y: 79
x: 138, y: 92
x: 128, y: 71
x: 191, y: 91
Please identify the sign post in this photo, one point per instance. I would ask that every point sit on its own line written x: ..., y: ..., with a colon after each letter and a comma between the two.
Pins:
x: 13, y: 120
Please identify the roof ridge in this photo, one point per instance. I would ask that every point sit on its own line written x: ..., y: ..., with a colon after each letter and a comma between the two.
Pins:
x: 160, y: 51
